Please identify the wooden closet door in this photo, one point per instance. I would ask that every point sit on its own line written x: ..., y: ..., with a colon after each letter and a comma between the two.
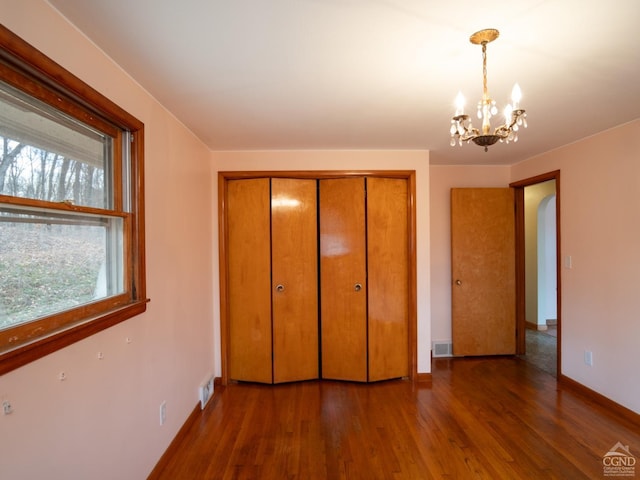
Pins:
x: 249, y: 280
x: 388, y: 278
x: 294, y: 251
x: 343, y: 287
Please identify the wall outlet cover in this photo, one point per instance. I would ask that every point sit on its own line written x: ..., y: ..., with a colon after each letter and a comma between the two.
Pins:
x: 588, y: 358
x: 163, y: 413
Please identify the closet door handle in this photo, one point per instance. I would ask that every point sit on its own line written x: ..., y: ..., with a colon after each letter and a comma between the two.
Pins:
x: 357, y: 287
x: 280, y: 288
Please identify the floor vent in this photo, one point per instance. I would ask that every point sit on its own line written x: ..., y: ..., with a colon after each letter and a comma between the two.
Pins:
x: 442, y: 349
x: 206, y: 390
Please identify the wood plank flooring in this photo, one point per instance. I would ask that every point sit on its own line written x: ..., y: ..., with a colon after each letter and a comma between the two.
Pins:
x: 481, y: 418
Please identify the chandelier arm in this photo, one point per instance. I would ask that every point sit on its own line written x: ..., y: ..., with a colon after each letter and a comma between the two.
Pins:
x: 515, y: 115
x: 502, y: 131
x: 470, y: 134
x: 463, y: 129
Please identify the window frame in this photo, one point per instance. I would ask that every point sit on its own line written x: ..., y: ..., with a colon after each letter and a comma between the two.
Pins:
x: 27, y: 69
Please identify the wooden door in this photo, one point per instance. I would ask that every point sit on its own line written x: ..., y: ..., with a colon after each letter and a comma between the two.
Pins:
x: 294, y: 253
x: 343, y: 287
x: 249, y: 280
x: 388, y: 278
x: 483, y: 271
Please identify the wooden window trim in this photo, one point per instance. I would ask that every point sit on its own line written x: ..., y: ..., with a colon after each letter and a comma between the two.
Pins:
x: 61, y: 89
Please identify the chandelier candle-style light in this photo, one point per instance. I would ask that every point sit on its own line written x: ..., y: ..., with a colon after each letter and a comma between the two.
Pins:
x: 462, y: 129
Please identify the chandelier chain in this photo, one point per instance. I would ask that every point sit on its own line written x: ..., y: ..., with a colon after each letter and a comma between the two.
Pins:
x: 484, y: 71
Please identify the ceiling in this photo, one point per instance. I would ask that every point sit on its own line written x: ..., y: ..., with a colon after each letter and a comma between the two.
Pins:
x: 373, y: 74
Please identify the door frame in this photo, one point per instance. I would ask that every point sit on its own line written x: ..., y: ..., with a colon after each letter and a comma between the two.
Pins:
x: 223, y: 179
x: 519, y: 186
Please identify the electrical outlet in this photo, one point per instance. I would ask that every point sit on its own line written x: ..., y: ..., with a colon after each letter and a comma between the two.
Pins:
x: 163, y: 412
x: 7, y: 409
x: 588, y: 358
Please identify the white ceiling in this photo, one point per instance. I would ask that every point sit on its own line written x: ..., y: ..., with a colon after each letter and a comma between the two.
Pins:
x: 373, y: 74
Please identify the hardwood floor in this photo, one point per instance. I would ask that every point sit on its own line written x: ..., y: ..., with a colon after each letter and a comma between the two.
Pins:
x: 485, y: 418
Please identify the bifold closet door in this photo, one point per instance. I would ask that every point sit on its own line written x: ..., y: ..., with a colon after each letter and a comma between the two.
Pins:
x: 275, y: 286
x: 294, y: 253
x: 249, y: 280
x: 343, y: 279
x: 388, y: 277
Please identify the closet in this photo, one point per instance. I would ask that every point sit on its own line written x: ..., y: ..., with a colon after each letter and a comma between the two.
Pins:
x: 317, y: 278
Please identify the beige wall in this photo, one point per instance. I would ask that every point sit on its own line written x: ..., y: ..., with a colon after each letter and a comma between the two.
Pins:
x: 102, y: 422
x: 417, y: 160
x: 600, y: 231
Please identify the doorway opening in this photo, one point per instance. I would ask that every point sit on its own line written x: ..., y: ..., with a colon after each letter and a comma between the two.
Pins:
x: 538, y: 242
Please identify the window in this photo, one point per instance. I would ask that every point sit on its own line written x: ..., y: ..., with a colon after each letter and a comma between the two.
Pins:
x: 71, y: 208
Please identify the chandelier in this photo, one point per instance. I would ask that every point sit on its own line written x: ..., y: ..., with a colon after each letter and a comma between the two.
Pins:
x: 462, y: 129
